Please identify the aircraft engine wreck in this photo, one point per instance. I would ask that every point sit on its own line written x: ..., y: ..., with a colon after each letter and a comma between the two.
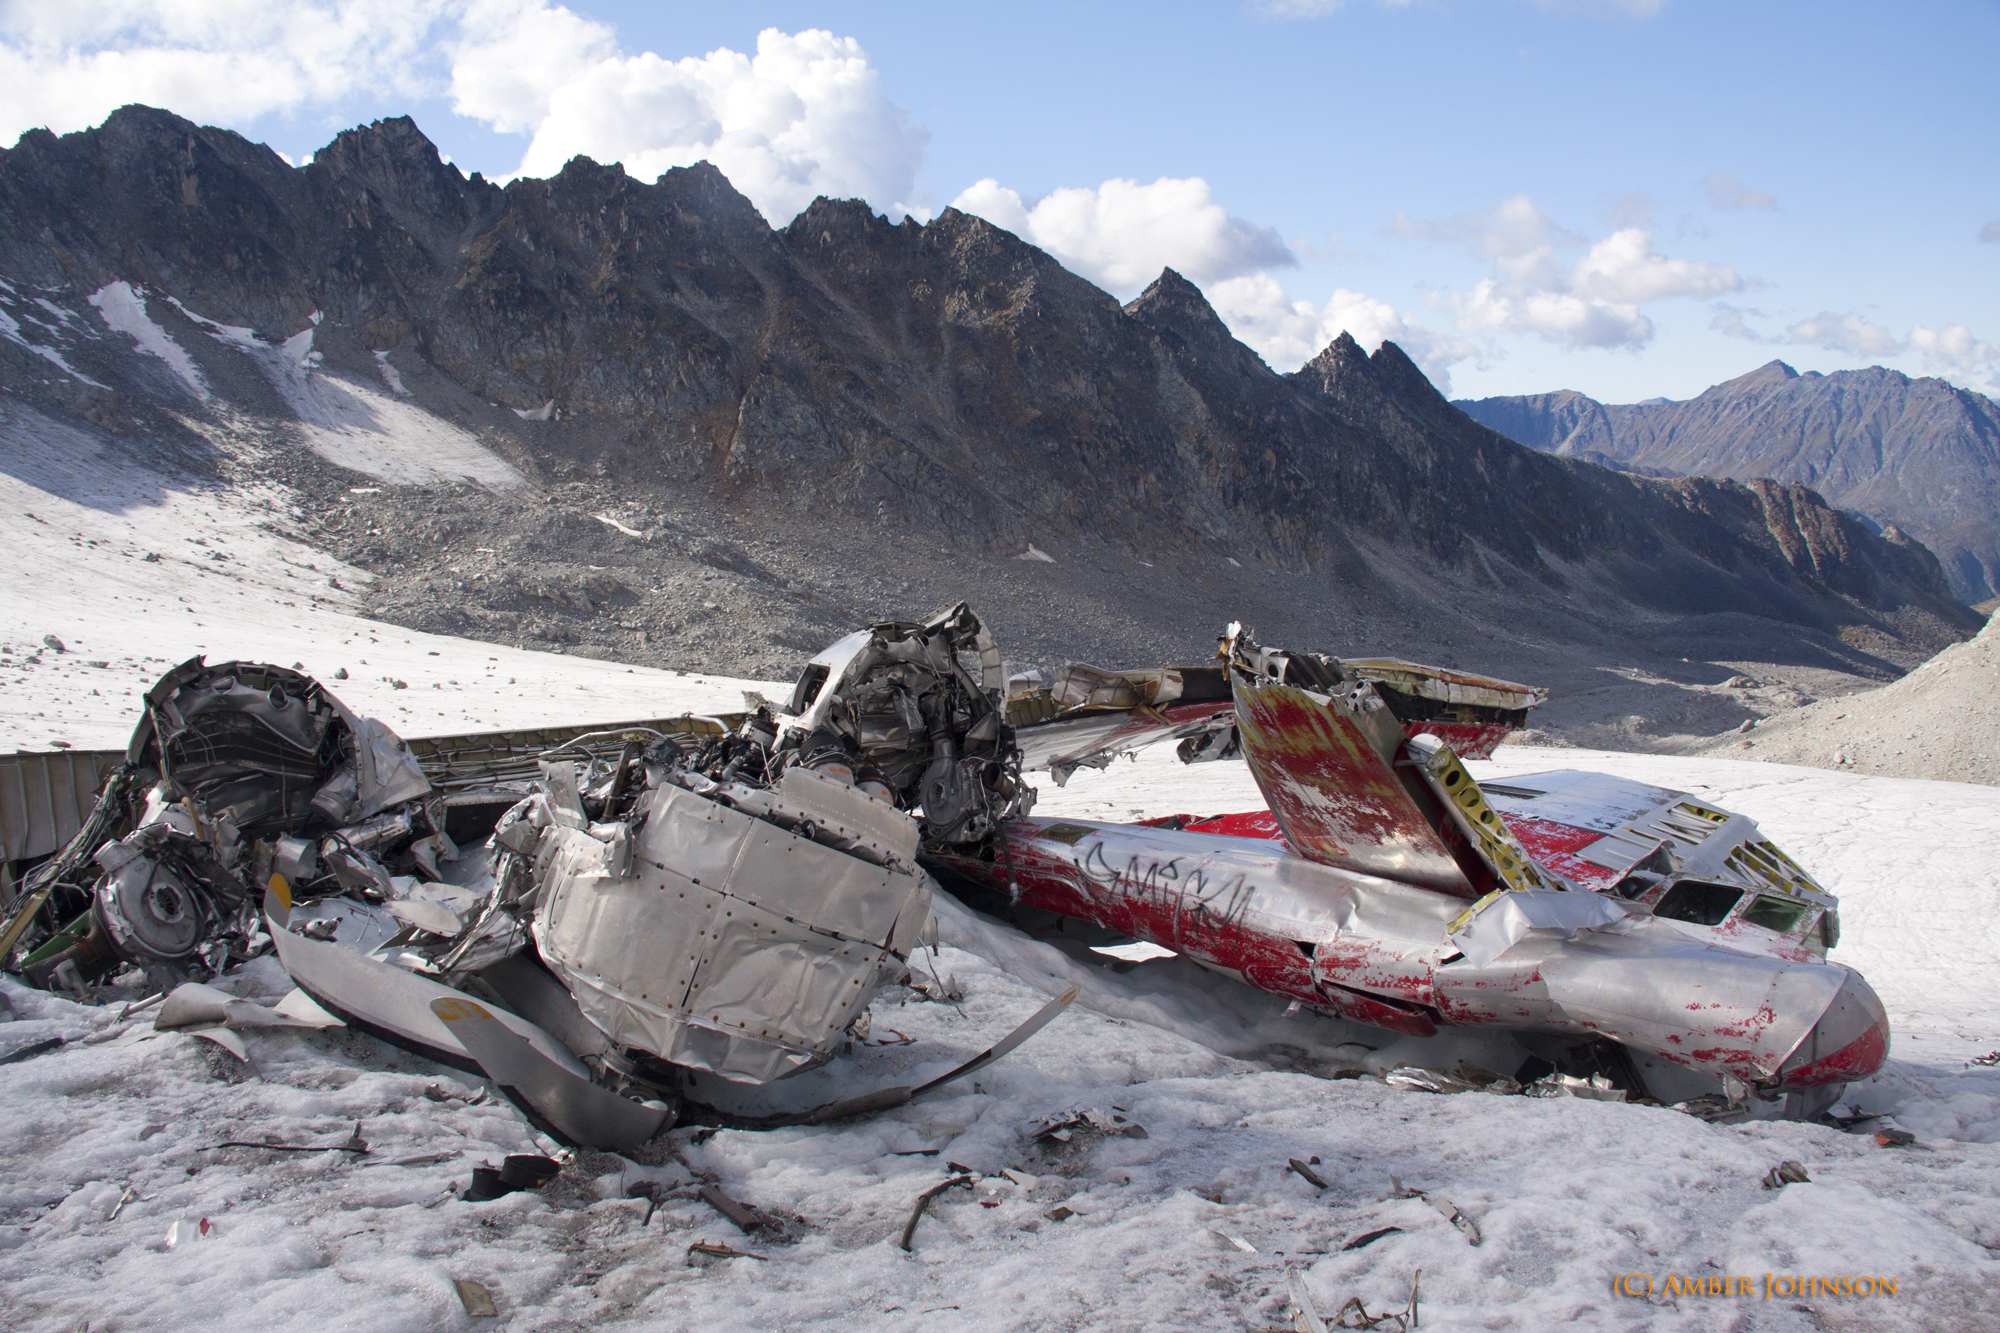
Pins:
x: 654, y: 917
x: 624, y: 926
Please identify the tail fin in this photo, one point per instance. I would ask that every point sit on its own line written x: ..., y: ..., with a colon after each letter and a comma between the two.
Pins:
x: 1334, y: 794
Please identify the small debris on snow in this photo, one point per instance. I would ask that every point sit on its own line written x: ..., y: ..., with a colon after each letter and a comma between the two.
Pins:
x: 1786, y: 1173
x: 923, y: 1202
x: 1367, y: 1238
x: 1310, y: 1176
x: 476, y: 1299
x: 716, y: 1251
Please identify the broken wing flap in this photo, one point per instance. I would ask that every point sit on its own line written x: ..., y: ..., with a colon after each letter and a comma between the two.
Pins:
x: 1326, y: 767
x: 1484, y: 831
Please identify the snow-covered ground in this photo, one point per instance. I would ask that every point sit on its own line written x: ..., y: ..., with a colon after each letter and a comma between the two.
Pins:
x: 1569, y: 1195
x: 1197, y: 1225
x: 134, y: 572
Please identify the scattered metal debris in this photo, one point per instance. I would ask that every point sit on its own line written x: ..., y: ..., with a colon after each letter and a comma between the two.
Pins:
x: 353, y: 1144
x: 1895, y: 1138
x: 743, y: 1217
x: 717, y: 1251
x: 649, y: 1190
x: 1786, y: 1173
x: 1595, y: 1088
x: 1367, y: 1238
x: 476, y: 1298
x: 1444, y: 1206
x: 1310, y: 1176
x: 1063, y: 1126
x: 31, y: 1050
x: 517, y: 1171
x: 923, y: 1202
x: 1357, y: 1313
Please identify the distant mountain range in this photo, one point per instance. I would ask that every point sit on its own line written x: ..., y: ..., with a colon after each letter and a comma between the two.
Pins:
x: 1921, y: 454
x: 933, y: 395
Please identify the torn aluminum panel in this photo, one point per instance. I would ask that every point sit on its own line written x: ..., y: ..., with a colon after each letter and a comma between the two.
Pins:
x: 1384, y: 885
x: 724, y: 942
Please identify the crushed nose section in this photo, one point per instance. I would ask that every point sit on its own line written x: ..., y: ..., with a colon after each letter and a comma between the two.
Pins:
x: 1850, y: 1041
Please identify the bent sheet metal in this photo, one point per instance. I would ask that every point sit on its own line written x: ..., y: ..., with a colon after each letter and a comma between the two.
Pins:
x: 705, y: 900
x: 1385, y: 886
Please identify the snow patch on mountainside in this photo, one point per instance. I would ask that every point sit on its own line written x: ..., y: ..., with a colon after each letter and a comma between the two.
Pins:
x: 125, y: 310
x: 134, y: 571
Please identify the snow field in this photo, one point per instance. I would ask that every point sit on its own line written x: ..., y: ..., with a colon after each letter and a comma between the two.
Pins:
x: 1569, y: 1195
x: 227, y: 582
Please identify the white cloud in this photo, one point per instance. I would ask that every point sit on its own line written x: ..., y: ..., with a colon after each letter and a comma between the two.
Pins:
x: 1729, y: 320
x: 1726, y: 190
x: 1593, y: 302
x: 1990, y: 233
x: 1954, y: 353
x: 805, y: 115
x: 1121, y: 234
x: 512, y: 57
x: 1624, y: 267
x: 1288, y: 333
x: 66, y: 64
x: 1848, y: 333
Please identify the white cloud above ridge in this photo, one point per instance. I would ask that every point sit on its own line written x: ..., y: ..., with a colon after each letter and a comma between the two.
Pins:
x: 66, y: 64
x: 1593, y: 302
x: 803, y: 115
x: 1848, y: 333
x: 1121, y: 234
x: 1951, y: 352
x: 1287, y: 333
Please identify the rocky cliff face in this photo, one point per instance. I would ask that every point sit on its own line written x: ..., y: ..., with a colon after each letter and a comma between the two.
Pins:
x: 1921, y: 454
x: 945, y: 382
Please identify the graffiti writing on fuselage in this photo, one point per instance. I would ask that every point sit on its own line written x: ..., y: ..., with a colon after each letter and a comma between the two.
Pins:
x: 1161, y: 883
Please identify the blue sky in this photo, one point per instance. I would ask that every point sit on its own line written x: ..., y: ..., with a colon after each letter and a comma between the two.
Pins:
x: 1631, y: 199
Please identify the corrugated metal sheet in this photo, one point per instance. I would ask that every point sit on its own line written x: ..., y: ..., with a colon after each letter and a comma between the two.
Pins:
x: 45, y: 797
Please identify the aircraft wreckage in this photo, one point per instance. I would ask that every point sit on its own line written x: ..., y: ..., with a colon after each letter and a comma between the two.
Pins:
x: 625, y: 926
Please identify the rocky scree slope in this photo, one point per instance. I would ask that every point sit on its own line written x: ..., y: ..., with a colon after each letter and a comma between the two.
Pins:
x: 1942, y: 721
x: 799, y: 429
x: 1922, y: 454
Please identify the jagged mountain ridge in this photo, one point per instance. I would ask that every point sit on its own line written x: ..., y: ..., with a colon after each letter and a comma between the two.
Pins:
x: 945, y: 378
x: 1922, y: 454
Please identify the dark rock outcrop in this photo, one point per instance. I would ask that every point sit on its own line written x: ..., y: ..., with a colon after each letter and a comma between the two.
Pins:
x: 947, y: 378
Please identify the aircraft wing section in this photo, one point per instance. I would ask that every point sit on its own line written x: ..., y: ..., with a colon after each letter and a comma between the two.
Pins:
x: 1334, y: 795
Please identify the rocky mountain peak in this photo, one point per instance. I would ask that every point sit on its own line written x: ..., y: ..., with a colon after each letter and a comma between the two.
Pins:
x: 944, y: 384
